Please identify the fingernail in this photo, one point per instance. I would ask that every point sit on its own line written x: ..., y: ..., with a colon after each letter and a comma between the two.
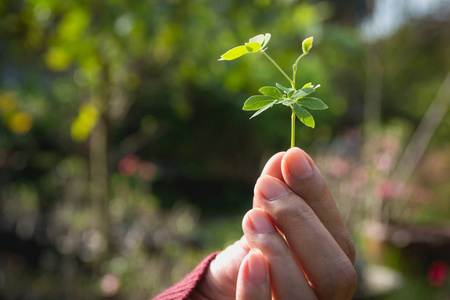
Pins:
x: 298, y: 164
x: 260, y: 221
x: 257, y: 271
x: 271, y: 188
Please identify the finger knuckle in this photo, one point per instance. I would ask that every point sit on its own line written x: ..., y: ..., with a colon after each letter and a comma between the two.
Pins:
x: 345, y: 281
x: 347, y: 246
x: 293, y: 211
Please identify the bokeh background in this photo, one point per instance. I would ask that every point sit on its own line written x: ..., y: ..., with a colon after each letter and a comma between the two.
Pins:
x: 125, y: 157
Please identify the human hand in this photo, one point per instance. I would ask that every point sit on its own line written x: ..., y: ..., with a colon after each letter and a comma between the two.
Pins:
x: 295, y: 243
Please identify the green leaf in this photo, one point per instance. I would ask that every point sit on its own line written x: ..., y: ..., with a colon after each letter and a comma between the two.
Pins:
x: 304, y: 116
x: 309, y: 84
x: 256, y: 102
x: 264, y: 108
x: 288, y: 102
x: 284, y: 89
x: 234, y: 53
x: 266, y: 40
x: 307, y: 44
x: 257, y: 39
x: 291, y: 92
x: 271, y: 92
x: 253, y: 47
x: 303, y: 92
x: 312, y: 103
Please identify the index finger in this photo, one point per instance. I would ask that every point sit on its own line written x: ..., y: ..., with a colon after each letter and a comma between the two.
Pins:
x: 303, y: 177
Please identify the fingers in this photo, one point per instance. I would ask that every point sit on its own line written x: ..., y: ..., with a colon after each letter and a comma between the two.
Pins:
x: 254, y: 280
x: 272, y: 166
x: 326, y: 266
x: 303, y: 177
x: 287, y: 278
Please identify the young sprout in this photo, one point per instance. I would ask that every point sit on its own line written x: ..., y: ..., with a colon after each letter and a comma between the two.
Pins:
x: 297, y: 99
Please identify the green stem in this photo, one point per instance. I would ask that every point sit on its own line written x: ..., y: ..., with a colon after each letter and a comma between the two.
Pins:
x: 277, y: 66
x: 292, y: 128
x: 294, y: 67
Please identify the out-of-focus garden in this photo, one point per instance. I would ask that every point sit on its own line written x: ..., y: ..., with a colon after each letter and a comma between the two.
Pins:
x: 125, y: 157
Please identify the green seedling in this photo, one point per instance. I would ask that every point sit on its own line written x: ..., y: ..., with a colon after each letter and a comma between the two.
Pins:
x: 297, y: 99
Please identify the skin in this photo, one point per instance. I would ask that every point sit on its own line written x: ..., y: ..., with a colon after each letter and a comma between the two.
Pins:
x: 295, y: 243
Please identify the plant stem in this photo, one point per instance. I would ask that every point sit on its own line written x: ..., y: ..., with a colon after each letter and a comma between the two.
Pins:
x: 277, y: 66
x: 294, y: 67
x: 292, y: 128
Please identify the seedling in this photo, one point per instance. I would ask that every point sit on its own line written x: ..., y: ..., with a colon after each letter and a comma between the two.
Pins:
x: 297, y: 100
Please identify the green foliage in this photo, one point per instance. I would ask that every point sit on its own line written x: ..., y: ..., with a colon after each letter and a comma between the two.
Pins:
x: 255, y: 44
x: 291, y: 97
x: 307, y: 44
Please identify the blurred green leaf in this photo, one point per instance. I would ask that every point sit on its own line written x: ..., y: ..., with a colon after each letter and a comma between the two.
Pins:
x: 304, y: 116
x: 284, y: 89
x: 312, y: 103
x: 256, y: 102
x: 288, y: 102
x: 266, y: 107
x: 303, y: 92
x: 271, y: 92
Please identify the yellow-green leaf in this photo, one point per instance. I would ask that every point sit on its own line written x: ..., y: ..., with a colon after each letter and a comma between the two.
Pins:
x: 234, y: 53
x: 253, y: 47
x: 307, y: 44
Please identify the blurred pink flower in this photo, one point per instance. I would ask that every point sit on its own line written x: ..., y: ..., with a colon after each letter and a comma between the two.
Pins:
x: 110, y: 284
x: 437, y: 273
x: 338, y: 167
x: 129, y: 165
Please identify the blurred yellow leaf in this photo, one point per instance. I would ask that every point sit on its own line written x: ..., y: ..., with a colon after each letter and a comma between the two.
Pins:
x: 8, y: 102
x: 73, y: 24
x: 84, y: 123
x: 20, y: 123
x: 58, y: 59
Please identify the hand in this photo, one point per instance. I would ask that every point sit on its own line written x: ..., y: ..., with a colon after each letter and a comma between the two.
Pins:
x: 295, y: 243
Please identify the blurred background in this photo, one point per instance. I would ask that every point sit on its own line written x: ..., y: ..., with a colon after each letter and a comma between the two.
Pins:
x: 125, y: 157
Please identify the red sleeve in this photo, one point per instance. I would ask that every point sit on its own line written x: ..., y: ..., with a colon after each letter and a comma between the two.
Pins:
x: 184, y: 288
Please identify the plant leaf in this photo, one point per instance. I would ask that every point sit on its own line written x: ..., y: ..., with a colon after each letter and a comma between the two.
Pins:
x: 256, y: 102
x: 284, y: 89
x: 303, y: 92
x: 304, y: 116
x: 234, y: 53
x: 257, y: 39
x: 271, y: 92
x: 312, y: 103
x: 309, y: 84
x: 266, y: 107
x: 288, y: 102
x: 266, y: 39
x: 307, y: 44
x: 253, y: 47
x: 291, y: 92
